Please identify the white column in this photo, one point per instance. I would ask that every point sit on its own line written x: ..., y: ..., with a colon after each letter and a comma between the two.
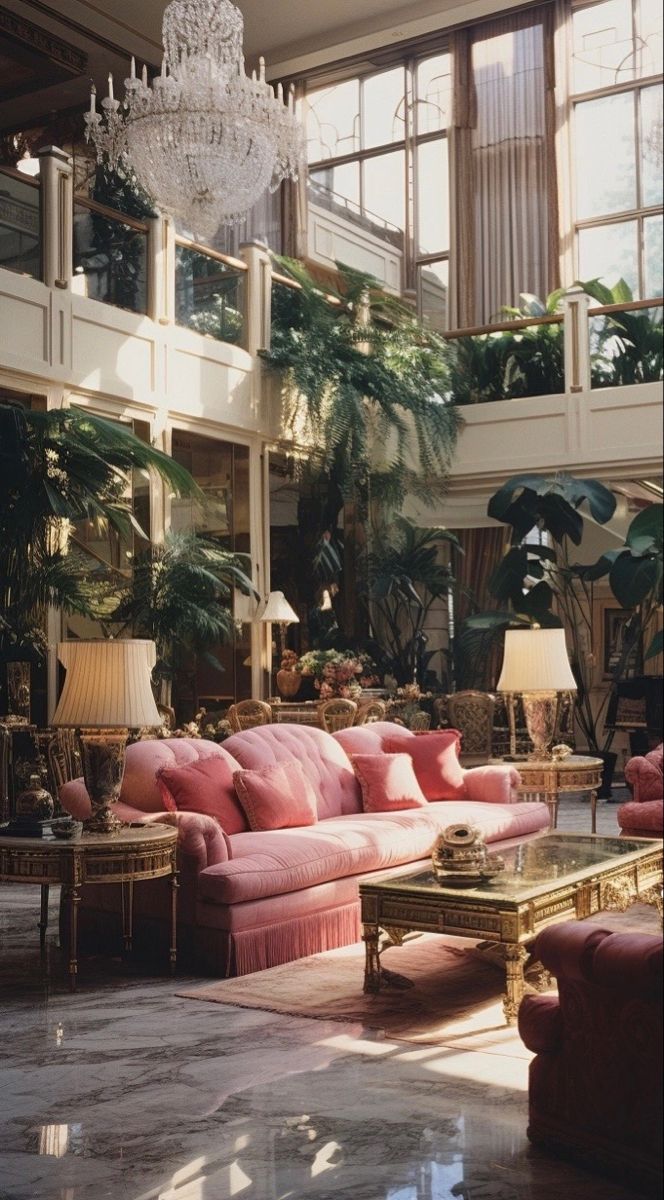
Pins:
x: 577, y: 341
x: 56, y: 173
x: 161, y: 270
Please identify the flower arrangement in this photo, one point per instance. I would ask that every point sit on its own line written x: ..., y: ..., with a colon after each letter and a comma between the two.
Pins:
x: 338, y: 673
x: 289, y: 661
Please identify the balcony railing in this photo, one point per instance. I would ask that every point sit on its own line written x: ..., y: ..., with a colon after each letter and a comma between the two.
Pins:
x: 209, y: 291
x: 79, y: 244
x: 110, y: 256
x: 20, y: 223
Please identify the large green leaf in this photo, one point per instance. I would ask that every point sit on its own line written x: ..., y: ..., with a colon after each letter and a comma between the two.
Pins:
x: 632, y: 579
x: 507, y: 579
x: 647, y: 529
x: 656, y: 647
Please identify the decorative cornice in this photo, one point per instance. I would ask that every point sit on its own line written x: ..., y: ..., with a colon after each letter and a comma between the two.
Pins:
x: 73, y: 60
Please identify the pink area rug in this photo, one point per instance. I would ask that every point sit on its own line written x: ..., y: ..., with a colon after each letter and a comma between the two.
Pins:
x: 456, y: 993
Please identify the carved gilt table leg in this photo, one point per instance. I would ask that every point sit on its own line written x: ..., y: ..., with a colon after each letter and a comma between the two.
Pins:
x: 127, y: 913
x: 43, y: 916
x: 619, y: 894
x: 372, y: 967
x: 175, y: 883
x: 72, y: 899
x: 593, y: 811
x: 515, y: 957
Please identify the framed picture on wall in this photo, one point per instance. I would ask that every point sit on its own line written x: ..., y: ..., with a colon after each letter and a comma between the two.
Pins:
x: 615, y: 628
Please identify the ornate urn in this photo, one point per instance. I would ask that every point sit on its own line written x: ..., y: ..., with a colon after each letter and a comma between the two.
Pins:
x: 460, y: 857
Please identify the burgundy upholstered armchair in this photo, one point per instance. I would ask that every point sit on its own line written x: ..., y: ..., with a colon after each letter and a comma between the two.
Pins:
x: 642, y: 816
x: 595, y: 1091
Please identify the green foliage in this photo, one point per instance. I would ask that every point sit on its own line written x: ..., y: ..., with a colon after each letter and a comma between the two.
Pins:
x: 179, y: 596
x: 405, y: 577
x: 363, y: 373
x: 629, y: 345
x: 60, y: 467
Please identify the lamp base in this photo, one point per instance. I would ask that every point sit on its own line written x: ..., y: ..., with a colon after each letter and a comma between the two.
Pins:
x: 540, y: 710
x: 103, y: 760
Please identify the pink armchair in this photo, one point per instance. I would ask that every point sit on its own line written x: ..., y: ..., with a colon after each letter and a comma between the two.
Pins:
x: 595, y: 1090
x: 642, y: 816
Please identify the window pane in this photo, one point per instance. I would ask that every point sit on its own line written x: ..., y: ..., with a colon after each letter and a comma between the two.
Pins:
x: 20, y: 225
x: 336, y: 187
x: 653, y: 252
x: 333, y: 121
x: 605, y: 156
x: 433, y: 210
x: 434, y: 281
x: 610, y: 253
x: 650, y: 35
x: 651, y: 145
x: 110, y: 260
x: 434, y: 94
x: 383, y: 106
x: 384, y: 190
x: 208, y: 295
x: 603, y: 45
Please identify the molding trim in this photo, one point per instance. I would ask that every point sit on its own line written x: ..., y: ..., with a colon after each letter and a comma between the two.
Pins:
x: 39, y: 40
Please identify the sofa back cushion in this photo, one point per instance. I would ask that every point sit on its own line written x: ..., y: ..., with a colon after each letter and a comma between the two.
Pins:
x: 144, y: 759
x: 436, y: 761
x: 324, y: 762
x: 206, y: 787
x: 388, y: 782
x: 369, y: 739
x: 277, y: 797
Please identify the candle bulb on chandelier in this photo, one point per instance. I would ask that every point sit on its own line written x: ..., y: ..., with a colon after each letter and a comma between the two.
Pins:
x: 261, y: 63
x: 144, y: 76
x: 280, y: 92
x: 93, y: 98
x: 132, y: 72
x: 110, y: 87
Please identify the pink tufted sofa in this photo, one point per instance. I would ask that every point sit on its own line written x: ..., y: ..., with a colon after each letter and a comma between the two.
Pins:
x: 642, y: 816
x: 595, y: 1091
x: 253, y: 900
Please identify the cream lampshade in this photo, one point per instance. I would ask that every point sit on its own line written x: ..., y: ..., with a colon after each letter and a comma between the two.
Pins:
x: 536, y: 665
x: 278, y: 611
x: 107, y: 691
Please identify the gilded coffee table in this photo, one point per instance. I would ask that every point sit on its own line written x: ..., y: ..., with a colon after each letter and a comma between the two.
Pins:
x: 130, y: 854
x: 552, y: 878
x: 548, y: 780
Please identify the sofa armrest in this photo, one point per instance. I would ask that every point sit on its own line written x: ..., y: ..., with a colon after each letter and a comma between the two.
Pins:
x: 645, y: 778
x: 492, y: 784
x: 201, y: 840
x: 540, y: 1024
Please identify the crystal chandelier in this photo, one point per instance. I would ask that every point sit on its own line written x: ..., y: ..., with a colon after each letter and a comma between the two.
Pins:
x: 204, y: 140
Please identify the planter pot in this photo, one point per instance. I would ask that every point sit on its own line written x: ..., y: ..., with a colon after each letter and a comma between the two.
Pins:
x: 609, y: 758
x: 288, y: 683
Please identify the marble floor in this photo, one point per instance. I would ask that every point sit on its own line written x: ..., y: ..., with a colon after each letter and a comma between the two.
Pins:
x: 125, y: 1092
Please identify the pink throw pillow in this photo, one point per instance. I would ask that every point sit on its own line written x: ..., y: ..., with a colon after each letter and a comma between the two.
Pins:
x: 435, y: 760
x: 277, y: 797
x: 204, y: 787
x: 388, y: 782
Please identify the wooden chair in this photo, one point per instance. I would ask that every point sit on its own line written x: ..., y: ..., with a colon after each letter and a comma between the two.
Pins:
x: 370, y: 711
x: 247, y: 714
x: 337, y: 714
x: 472, y: 714
x: 63, y: 760
x: 420, y: 723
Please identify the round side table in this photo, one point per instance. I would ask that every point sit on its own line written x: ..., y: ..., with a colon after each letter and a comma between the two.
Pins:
x: 146, y: 852
x: 548, y: 780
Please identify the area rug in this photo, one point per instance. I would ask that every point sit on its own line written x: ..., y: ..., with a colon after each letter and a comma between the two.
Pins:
x: 456, y: 990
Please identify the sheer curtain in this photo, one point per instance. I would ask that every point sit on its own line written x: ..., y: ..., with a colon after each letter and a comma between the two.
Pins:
x: 504, y: 138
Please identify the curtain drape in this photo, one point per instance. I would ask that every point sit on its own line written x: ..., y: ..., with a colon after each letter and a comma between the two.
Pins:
x: 505, y: 196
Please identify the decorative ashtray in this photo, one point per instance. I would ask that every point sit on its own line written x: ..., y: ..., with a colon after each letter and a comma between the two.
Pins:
x: 66, y: 828
x: 460, y: 858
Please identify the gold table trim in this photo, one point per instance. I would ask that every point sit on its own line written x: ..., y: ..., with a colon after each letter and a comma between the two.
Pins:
x: 124, y: 857
x: 549, y: 780
x: 390, y: 913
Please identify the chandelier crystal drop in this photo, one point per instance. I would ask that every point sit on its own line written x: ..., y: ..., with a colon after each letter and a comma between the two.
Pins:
x: 204, y: 139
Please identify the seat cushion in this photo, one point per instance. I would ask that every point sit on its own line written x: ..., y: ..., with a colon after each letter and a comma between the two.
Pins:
x: 324, y: 762
x: 204, y: 787
x: 388, y: 782
x: 645, y: 819
x: 276, y: 797
x: 275, y: 863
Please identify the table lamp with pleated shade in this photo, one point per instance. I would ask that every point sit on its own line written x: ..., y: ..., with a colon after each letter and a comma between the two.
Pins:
x: 107, y: 691
x: 536, y: 666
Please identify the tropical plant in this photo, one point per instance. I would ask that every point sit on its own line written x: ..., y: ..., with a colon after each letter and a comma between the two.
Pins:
x: 60, y: 467
x: 405, y: 578
x: 179, y: 596
x: 542, y: 583
x: 362, y: 372
x: 628, y: 346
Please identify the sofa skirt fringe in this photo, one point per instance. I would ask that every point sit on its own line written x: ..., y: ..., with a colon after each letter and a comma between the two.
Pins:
x: 271, y: 945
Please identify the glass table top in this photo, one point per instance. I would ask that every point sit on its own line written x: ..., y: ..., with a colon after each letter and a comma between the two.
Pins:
x: 531, y: 868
